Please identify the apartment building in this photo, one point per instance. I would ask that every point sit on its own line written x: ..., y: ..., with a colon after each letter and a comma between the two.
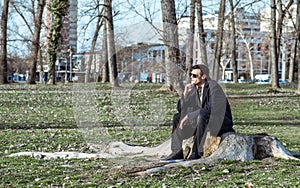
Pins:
x: 248, y: 32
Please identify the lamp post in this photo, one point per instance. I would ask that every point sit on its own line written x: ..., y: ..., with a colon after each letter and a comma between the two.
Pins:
x: 70, y: 55
x: 66, y: 71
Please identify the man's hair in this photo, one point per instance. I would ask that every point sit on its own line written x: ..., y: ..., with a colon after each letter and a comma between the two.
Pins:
x: 203, y: 69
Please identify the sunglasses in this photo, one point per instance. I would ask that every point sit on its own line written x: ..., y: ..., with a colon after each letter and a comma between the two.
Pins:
x: 194, y: 75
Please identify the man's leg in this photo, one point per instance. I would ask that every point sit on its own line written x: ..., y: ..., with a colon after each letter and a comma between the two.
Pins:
x: 177, y: 137
x: 176, y: 120
x: 198, y: 142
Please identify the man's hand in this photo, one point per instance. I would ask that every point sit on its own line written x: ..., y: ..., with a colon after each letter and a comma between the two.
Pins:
x: 183, y: 122
x: 188, y: 88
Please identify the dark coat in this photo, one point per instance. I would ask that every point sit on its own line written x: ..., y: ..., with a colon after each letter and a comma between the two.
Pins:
x: 215, y: 108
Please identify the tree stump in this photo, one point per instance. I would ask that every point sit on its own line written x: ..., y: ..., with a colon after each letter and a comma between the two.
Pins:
x: 239, y: 147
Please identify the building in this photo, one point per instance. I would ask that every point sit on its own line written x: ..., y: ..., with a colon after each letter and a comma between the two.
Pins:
x: 248, y: 31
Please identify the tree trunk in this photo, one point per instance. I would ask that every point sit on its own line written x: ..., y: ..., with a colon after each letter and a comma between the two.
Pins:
x: 91, y: 55
x: 40, y: 62
x: 172, y: 52
x: 219, y: 42
x: 202, y: 45
x: 242, y: 35
x: 105, y: 69
x: 3, y: 63
x: 58, y: 8
x: 233, y: 43
x: 293, y: 58
x: 283, y: 9
x: 36, y: 40
x: 298, y: 38
x: 112, y: 58
x: 274, y: 54
x: 190, y: 44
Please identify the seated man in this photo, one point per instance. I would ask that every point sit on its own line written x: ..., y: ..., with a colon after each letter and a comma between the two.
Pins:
x: 203, y: 107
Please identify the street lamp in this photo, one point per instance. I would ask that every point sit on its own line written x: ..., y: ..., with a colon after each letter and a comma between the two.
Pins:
x: 70, y: 55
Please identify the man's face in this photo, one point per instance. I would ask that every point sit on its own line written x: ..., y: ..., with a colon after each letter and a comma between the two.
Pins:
x: 196, y: 79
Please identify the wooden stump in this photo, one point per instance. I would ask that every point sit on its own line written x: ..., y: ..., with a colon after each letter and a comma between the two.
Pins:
x: 239, y: 147
x: 211, y: 144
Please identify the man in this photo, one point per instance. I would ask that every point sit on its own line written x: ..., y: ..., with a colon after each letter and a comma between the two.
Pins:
x: 203, y: 107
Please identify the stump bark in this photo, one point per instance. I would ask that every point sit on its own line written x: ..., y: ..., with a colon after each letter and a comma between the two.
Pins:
x: 239, y: 147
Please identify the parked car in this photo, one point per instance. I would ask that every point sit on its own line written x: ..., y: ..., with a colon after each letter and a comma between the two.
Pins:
x: 262, y: 78
x: 283, y: 81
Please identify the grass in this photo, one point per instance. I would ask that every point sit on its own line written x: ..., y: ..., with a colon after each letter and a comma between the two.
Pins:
x: 43, y: 118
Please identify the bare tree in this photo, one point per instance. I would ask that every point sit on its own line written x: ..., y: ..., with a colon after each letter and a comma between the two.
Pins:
x: 172, y: 52
x: 96, y: 34
x: 22, y: 7
x: 276, y: 34
x: 36, y: 40
x: 219, y: 41
x: 3, y: 65
x: 249, y: 49
x: 292, y: 60
x: 298, y: 37
x: 274, y: 54
x: 112, y: 59
x: 190, y: 43
x: 202, y: 45
x: 104, y: 57
x: 282, y: 9
x: 233, y: 42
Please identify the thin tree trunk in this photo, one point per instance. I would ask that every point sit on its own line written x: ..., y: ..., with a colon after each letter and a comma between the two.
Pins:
x: 219, y: 41
x: 202, y: 46
x: 91, y: 55
x: 249, y: 54
x: 233, y: 42
x: 105, y: 70
x: 3, y: 65
x: 36, y: 40
x: 41, y: 66
x: 298, y: 38
x: 172, y: 52
x: 274, y: 54
x: 112, y: 58
x: 190, y: 45
x: 293, y: 59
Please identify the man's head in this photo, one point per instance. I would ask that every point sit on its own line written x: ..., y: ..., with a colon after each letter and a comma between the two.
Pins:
x: 199, y: 74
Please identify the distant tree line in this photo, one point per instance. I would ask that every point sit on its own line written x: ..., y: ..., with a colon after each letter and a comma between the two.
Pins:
x: 176, y: 69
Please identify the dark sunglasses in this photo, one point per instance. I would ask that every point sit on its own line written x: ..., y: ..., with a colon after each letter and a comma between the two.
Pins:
x: 194, y: 75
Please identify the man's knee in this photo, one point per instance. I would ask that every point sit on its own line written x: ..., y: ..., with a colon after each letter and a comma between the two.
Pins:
x: 201, y: 120
x: 176, y: 118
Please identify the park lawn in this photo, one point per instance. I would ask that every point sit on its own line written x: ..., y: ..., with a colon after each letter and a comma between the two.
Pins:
x: 41, y: 118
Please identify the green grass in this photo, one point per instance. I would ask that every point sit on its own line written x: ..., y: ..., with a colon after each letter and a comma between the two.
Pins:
x: 42, y: 118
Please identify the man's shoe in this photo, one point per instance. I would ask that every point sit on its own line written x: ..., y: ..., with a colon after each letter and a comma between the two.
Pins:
x: 194, y: 156
x: 174, y: 156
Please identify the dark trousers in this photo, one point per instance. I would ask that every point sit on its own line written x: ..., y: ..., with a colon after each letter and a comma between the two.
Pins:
x: 196, y: 129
